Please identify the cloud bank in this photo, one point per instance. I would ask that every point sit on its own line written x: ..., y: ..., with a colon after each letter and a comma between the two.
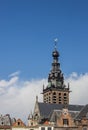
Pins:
x: 17, y: 97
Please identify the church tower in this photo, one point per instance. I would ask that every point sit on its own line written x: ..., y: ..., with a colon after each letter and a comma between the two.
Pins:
x: 56, y: 91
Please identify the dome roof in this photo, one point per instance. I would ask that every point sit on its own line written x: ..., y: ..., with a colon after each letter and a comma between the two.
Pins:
x: 55, y: 53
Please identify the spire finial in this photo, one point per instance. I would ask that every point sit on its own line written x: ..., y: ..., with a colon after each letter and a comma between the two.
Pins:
x: 56, y: 41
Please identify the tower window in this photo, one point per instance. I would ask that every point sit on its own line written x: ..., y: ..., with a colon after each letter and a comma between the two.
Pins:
x: 54, y: 99
x: 65, y: 97
x: 49, y: 99
x: 59, y: 94
x: 54, y: 96
x: 64, y: 94
x: 54, y: 93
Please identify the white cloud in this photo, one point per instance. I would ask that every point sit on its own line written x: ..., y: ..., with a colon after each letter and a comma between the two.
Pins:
x: 79, y: 87
x: 17, y: 97
x: 14, y: 74
x: 4, y: 83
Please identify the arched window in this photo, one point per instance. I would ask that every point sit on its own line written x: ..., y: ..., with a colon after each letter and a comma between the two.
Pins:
x: 65, y: 94
x: 54, y: 93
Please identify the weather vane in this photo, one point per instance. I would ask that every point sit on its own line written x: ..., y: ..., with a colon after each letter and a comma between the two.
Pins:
x: 56, y: 41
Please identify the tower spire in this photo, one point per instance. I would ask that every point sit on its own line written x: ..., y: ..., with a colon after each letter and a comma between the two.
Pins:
x: 56, y: 91
x: 55, y: 77
x: 55, y: 42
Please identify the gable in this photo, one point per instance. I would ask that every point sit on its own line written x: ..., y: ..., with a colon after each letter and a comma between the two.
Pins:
x: 19, y: 123
x: 36, y: 113
x: 5, y: 120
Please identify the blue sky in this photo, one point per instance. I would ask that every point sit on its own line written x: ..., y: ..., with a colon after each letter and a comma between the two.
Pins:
x: 27, y: 32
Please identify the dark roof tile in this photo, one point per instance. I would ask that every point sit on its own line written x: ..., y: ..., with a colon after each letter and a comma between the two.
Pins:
x: 47, y: 108
x: 83, y: 112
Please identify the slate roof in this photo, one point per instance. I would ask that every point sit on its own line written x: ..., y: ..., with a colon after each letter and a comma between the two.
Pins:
x: 73, y: 114
x: 83, y: 113
x: 47, y: 108
x: 54, y: 115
